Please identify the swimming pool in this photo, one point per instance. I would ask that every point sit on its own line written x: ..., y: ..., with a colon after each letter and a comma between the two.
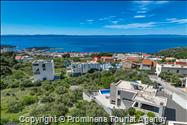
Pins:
x: 105, y: 91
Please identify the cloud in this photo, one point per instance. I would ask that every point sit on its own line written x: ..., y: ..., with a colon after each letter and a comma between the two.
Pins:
x: 161, y: 2
x: 106, y: 18
x: 141, y: 11
x: 175, y: 20
x: 90, y: 21
x: 132, y: 25
x: 145, y: 6
x: 139, y: 16
x: 150, y: 2
x: 115, y: 22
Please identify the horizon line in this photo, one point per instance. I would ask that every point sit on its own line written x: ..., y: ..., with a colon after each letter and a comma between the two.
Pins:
x: 89, y: 34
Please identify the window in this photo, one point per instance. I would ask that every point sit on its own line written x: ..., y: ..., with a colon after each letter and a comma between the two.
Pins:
x: 35, y: 64
x: 177, y: 71
x: 119, y: 92
x: 136, y: 104
x: 119, y: 102
x: 44, y: 68
x: 113, y: 101
x: 150, y: 108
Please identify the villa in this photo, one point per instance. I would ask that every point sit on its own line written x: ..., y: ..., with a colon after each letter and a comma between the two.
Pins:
x: 126, y: 94
x: 43, y: 70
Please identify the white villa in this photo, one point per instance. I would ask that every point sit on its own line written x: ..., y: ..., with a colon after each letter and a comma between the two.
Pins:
x: 43, y: 70
x: 126, y: 94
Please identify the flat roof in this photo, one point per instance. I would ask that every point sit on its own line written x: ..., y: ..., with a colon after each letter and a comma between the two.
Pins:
x: 146, y: 94
x: 172, y: 66
x: 42, y: 61
x: 129, y: 85
x: 151, y: 99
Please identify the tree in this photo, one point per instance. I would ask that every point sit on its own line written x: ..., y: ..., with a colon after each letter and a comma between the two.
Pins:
x: 131, y: 111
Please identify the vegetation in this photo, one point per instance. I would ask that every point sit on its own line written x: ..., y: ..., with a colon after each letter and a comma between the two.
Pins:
x: 21, y: 96
x: 171, y: 77
x: 179, y: 53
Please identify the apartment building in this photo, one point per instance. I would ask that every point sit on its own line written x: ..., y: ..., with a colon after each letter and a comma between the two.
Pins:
x: 179, y: 69
x: 126, y: 94
x: 43, y: 70
x: 7, y: 48
x: 80, y: 68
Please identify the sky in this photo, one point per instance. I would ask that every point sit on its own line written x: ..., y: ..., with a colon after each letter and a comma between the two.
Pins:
x: 94, y: 17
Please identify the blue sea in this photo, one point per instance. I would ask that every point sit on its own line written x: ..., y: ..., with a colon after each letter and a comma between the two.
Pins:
x: 137, y: 43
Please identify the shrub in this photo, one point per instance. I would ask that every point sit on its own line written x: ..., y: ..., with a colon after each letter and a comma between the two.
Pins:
x: 61, y: 90
x: 26, y: 83
x: 27, y: 100
x: 131, y: 111
x: 150, y: 114
x: 14, y: 107
x: 47, y: 99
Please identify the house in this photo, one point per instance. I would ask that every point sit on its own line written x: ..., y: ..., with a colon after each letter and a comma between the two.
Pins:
x: 103, y: 59
x: 96, y: 59
x: 131, y: 62
x: 81, y: 68
x: 146, y: 55
x: 23, y: 58
x: 7, y: 48
x: 43, y: 70
x: 126, y: 94
x: 147, y: 64
x: 173, y: 68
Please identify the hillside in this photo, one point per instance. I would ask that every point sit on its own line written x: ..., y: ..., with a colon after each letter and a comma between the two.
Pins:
x: 174, y: 52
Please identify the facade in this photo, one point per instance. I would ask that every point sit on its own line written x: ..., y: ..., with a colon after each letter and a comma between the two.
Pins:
x: 43, y: 70
x: 147, y: 64
x: 81, y: 68
x: 179, y: 69
x: 106, y: 66
x: 7, y: 48
x: 131, y: 62
x: 125, y: 94
x: 176, y: 123
x: 103, y: 59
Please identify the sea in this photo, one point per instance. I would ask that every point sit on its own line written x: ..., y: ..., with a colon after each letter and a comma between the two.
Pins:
x: 121, y: 43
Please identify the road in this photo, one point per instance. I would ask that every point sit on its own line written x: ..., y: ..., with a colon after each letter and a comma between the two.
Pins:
x: 174, y: 111
x: 167, y: 87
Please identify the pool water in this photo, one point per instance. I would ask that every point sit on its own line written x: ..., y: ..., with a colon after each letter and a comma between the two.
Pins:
x: 105, y: 91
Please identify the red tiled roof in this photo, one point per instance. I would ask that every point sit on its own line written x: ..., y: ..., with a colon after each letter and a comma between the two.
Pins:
x: 148, y: 62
